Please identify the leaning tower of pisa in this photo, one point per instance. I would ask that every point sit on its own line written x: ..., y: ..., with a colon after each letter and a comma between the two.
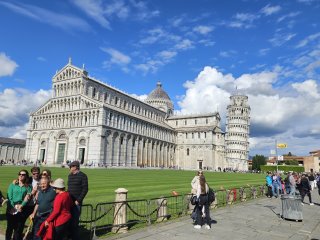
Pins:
x: 237, y: 132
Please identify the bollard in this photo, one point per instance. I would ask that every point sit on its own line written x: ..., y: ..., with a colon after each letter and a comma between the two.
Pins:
x: 230, y: 197
x: 163, y: 209
x: 243, y: 195
x: 120, y: 211
x: 214, y: 204
x: 254, y: 192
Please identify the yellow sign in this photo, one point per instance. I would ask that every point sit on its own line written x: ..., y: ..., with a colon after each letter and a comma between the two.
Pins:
x: 282, y: 145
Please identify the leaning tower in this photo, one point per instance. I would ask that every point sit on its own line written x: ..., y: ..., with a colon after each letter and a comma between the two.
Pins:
x: 237, y: 132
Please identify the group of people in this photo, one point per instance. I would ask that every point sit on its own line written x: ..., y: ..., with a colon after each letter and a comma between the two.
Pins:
x: 293, y: 184
x: 54, y: 209
x: 200, y: 189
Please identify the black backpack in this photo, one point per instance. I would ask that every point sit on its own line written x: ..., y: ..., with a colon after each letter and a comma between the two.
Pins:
x: 211, y: 195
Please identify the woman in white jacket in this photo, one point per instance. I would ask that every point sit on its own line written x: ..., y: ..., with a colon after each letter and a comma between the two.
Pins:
x: 195, y: 182
x: 202, y: 207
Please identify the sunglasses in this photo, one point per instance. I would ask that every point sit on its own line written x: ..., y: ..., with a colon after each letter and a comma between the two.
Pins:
x: 22, y: 174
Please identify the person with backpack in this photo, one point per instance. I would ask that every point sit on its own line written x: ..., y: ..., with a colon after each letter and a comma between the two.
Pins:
x: 202, y: 207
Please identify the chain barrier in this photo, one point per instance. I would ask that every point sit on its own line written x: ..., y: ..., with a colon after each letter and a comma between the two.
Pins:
x: 179, y: 204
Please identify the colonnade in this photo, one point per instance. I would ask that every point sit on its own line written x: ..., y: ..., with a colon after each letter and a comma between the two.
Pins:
x: 135, y: 151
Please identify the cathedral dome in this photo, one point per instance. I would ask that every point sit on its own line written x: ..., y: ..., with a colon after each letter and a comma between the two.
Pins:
x: 158, y: 93
x: 160, y: 99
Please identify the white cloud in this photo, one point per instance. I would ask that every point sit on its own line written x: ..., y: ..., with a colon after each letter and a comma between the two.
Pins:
x: 184, y: 44
x: 94, y: 10
x: 103, y: 11
x: 63, y: 21
x: 227, y: 54
x: 242, y: 20
x: 290, y: 15
x: 291, y: 114
x: 264, y: 51
x: 280, y: 38
x: 149, y: 66
x: 204, y: 30
x: 140, y: 97
x: 167, y: 55
x: 308, y: 39
x: 269, y: 10
x: 7, y: 66
x: 116, y: 57
x: 15, y: 106
x: 307, y: 88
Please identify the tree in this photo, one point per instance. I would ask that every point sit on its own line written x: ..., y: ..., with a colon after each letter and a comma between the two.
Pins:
x: 291, y: 162
x: 257, y: 161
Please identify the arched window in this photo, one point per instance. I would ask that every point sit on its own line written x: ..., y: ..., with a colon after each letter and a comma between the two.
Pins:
x: 43, y: 143
x: 188, y: 151
x: 82, y: 142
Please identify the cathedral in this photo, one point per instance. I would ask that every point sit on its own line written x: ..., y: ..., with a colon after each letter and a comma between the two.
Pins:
x: 99, y: 125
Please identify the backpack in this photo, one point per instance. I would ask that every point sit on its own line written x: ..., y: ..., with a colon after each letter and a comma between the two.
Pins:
x: 211, y: 195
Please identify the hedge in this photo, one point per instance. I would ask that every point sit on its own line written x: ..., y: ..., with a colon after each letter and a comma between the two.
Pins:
x: 285, y: 168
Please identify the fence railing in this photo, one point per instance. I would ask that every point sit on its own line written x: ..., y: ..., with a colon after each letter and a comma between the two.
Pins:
x: 121, y: 216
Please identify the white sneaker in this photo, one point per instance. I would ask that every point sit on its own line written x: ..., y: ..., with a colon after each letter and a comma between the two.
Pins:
x: 207, y: 226
x: 311, y: 204
x: 197, y: 226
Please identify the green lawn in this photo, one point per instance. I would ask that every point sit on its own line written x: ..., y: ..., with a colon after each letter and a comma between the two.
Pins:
x: 141, y: 183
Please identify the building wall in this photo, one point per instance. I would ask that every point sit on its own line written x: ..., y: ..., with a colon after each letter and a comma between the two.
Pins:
x: 97, y: 124
x: 11, y: 152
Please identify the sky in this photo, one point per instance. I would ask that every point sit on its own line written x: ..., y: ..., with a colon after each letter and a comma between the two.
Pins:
x: 200, y: 50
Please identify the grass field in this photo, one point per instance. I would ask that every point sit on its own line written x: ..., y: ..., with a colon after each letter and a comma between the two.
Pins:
x: 141, y: 183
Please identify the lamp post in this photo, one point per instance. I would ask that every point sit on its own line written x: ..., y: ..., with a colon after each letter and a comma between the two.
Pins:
x: 276, y: 154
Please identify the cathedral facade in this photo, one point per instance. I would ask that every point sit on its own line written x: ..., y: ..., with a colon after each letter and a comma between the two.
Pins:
x: 98, y: 125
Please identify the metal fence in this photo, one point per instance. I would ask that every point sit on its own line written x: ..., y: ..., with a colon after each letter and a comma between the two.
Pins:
x: 115, y: 217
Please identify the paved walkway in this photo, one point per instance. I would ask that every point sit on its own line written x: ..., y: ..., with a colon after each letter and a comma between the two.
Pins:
x: 257, y: 219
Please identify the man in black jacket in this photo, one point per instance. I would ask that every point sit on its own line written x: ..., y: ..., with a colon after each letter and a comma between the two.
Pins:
x: 78, y: 188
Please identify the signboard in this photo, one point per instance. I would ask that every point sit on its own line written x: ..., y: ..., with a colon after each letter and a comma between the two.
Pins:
x: 280, y: 158
x: 282, y: 145
x: 272, y: 152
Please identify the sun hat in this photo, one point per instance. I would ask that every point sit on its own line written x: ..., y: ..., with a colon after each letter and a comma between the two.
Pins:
x: 58, y: 183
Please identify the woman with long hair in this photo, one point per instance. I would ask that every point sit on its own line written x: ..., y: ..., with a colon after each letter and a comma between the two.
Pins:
x: 18, y: 195
x: 202, y: 207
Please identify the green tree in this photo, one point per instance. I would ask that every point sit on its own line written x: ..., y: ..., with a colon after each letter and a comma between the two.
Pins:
x: 291, y: 162
x: 257, y: 161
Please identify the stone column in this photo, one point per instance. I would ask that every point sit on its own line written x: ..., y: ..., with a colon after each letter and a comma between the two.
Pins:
x: 163, y: 210
x: 135, y: 152
x: 109, y: 145
x: 120, y: 211
x: 129, y: 151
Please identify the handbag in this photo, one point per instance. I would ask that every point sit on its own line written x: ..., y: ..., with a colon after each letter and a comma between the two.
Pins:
x: 193, y: 200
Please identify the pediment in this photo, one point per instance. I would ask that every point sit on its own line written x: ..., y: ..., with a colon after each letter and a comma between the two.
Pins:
x: 74, y: 103
x: 69, y: 72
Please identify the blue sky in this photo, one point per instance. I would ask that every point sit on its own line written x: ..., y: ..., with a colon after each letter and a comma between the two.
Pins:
x: 201, y: 50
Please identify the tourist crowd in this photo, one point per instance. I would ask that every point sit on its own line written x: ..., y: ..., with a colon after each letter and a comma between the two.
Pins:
x: 53, y: 207
x: 292, y: 183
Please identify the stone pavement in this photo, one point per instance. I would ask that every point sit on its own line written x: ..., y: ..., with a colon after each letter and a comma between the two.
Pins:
x: 256, y: 219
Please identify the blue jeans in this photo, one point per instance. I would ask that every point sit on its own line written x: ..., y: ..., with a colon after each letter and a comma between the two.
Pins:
x: 275, y: 189
x: 292, y: 190
x: 75, y: 211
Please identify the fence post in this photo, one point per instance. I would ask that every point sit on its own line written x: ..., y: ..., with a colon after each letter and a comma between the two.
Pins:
x: 163, y: 209
x: 120, y: 211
